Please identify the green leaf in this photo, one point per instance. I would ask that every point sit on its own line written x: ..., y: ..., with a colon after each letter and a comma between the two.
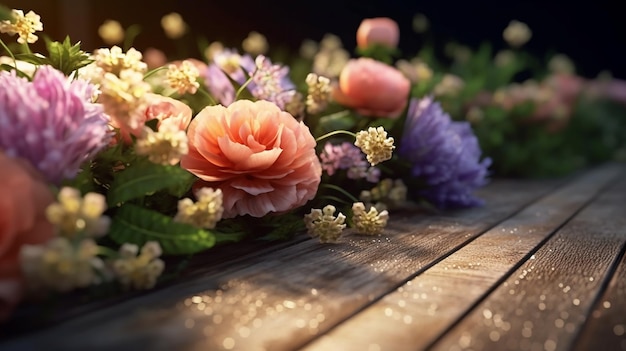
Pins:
x: 145, y: 178
x: 137, y: 225
x: 66, y: 57
x: 5, y: 13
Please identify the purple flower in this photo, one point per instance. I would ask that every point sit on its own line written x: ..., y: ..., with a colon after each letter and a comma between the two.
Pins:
x: 444, y: 153
x: 346, y: 156
x: 51, y: 122
x: 269, y: 81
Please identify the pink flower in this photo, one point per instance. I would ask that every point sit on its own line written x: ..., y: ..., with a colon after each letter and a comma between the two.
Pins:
x: 22, y: 221
x: 154, y: 58
x: 168, y: 111
x: 372, y: 88
x: 261, y: 158
x: 381, y: 30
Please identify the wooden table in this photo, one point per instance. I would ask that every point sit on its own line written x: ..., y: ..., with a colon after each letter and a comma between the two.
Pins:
x: 540, y: 267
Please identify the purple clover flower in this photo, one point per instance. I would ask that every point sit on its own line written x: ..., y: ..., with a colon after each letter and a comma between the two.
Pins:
x: 269, y: 81
x: 444, y: 153
x: 346, y: 156
x: 51, y: 122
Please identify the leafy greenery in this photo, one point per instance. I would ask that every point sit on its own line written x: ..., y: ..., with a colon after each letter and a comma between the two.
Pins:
x: 137, y: 225
x: 64, y: 56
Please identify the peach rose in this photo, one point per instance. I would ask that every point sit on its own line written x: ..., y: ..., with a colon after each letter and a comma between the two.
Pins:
x: 168, y: 111
x: 261, y: 158
x: 381, y: 30
x: 22, y: 221
x: 372, y: 88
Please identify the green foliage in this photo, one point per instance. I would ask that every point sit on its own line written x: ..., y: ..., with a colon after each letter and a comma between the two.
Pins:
x: 144, y: 178
x: 64, y: 56
x: 137, y: 225
x: 5, y: 13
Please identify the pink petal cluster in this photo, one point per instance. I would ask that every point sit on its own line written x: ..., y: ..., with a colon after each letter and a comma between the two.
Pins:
x: 168, y: 111
x: 372, y: 88
x: 381, y: 30
x: 262, y: 158
x: 24, y: 199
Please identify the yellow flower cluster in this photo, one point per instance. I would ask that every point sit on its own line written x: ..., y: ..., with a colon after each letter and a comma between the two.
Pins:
x: 183, y: 77
x: 375, y: 144
x: 61, y: 265
x: 205, y: 212
x: 139, y: 271
x: 319, y: 90
x: 165, y: 146
x: 324, y: 224
x: 24, y: 26
x: 74, y: 215
x: 369, y: 222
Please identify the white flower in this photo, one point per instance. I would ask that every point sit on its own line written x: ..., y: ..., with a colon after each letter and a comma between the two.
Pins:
x: 368, y: 222
x: 139, y: 271
x: 164, y: 147
x: 111, y: 32
x: 173, y: 25
x: 517, y: 33
x: 375, y: 144
x: 74, y: 215
x: 24, y: 26
x: 183, y: 77
x: 324, y: 224
x: 205, y: 212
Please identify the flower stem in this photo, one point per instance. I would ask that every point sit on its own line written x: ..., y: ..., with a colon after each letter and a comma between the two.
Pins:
x: 107, y: 252
x: 335, y: 132
x: 208, y: 96
x: 244, y: 85
x: 341, y: 190
x: 154, y: 71
x: 9, y: 52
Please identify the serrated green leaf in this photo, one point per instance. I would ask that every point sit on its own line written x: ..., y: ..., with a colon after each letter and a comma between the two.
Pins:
x: 137, y: 225
x: 145, y: 178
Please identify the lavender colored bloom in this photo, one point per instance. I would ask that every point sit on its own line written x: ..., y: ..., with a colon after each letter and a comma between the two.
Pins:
x: 51, y: 122
x: 444, y: 153
x: 269, y: 81
x: 346, y: 156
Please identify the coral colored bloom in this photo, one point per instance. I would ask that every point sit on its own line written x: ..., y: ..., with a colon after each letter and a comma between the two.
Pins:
x: 373, y: 88
x: 22, y: 221
x: 168, y: 111
x: 382, y: 31
x: 262, y: 158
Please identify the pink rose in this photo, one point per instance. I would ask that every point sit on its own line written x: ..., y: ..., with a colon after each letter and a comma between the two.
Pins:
x: 168, y: 111
x: 22, y: 221
x: 261, y: 158
x: 372, y: 88
x: 381, y: 30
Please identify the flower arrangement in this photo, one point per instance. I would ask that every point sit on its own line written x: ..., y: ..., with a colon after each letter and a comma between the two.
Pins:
x: 115, y: 158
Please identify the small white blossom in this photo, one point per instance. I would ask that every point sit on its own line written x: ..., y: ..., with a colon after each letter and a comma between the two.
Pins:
x: 173, y: 25
x: 24, y: 26
x: 324, y: 224
x: 319, y: 92
x: 164, y: 147
x: 60, y: 265
x: 114, y: 60
x: 73, y: 214
x: 369, y: 222
x: 517, y: 33
x: 183, y: 77
x: 111, y: 32
x: 205, y: 212
x: 255, y: 44
x: 375, y: 144
x: 139, y: 271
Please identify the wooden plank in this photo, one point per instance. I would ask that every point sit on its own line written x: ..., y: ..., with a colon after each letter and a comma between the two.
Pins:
x: 606, y: 327
x: 418, y: 312
x: 282, y: 299
x: 544, y: 303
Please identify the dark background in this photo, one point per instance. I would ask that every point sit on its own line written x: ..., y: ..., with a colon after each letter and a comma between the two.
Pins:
x: 591, y: 33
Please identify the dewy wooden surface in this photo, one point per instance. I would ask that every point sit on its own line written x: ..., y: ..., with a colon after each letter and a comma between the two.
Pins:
x: 540, y: 267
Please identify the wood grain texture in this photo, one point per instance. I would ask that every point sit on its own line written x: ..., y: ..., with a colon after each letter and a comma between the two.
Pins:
x: 281, y: 300
x: 606, y: 326
x: 413, y: 316
x: 544, y: 303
